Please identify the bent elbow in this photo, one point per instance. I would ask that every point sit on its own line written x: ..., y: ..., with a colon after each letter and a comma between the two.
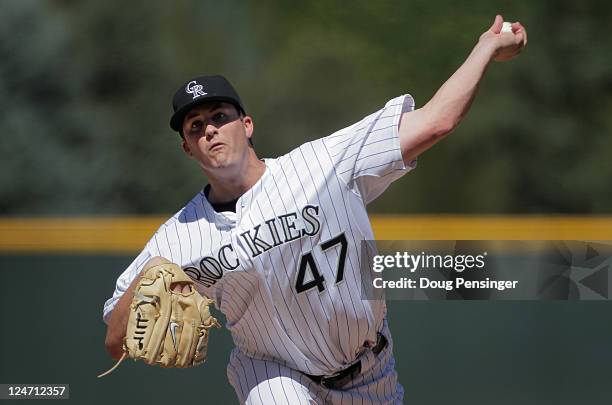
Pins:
x: 438, y: 124
x: 443, y: 127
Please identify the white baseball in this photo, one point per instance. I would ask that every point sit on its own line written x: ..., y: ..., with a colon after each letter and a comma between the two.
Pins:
x: 507, y: 27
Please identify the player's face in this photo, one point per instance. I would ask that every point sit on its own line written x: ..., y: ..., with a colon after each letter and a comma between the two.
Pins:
x: 216, y: 135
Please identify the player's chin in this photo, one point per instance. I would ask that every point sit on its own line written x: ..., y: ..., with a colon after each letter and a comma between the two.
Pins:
x: 220, y: 161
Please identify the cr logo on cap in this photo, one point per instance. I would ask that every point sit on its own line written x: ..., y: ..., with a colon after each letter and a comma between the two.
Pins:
x: 196, y: 89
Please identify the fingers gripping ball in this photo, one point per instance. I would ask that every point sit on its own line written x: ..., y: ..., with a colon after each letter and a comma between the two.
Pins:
x: 167, y: 328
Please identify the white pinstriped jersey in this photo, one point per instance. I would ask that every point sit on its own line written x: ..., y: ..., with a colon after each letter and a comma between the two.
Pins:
x: 284, y: 268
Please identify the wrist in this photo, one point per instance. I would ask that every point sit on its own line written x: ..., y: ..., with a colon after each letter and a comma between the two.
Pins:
x: 486, y: 48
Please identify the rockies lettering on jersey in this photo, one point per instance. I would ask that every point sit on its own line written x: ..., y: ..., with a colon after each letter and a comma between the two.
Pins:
x: 211, y: 268
x: 258, y: 244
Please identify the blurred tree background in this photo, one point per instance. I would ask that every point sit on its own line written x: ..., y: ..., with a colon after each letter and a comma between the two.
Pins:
x: 85, y: 90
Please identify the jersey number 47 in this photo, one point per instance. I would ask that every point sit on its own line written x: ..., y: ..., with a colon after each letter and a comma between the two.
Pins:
x: 307, y: 262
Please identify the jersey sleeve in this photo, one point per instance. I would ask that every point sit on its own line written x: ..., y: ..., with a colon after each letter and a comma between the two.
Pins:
x: 367, y: 155
x: 126, y: 278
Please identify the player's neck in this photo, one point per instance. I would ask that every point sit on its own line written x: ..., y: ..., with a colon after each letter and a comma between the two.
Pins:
x: 230, y: 186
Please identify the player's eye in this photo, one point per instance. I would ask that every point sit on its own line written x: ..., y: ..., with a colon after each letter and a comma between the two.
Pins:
x: 196, y: 126
x: 219, y: 118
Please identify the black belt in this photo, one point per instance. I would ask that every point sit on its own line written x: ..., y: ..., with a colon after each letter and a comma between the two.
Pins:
x: 343, y: 377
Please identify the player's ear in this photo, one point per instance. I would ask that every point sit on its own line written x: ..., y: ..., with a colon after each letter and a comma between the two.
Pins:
x: 186, y: 148
x: 247, y: 121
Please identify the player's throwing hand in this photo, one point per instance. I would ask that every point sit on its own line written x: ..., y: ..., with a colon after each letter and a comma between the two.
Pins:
x: 506, y: 45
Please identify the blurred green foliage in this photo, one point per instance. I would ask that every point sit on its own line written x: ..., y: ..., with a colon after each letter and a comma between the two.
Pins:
x: 85, y: 91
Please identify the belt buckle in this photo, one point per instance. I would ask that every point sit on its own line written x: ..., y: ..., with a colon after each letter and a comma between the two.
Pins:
x: 341, y: 378
x: 329, y: 381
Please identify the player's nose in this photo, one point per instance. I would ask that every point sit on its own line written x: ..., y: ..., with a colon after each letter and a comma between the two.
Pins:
x: 210, y: 131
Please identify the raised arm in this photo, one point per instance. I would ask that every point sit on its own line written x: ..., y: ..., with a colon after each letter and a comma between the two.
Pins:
x: 422, y: 128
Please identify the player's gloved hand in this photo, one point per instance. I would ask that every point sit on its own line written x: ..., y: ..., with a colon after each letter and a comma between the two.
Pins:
x: 169, y: 320
x: 504, y: 45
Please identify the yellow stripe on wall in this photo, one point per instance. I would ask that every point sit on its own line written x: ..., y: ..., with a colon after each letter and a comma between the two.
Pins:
x: 457, y: 227
x: 77, y: 235
x: 127, y: 235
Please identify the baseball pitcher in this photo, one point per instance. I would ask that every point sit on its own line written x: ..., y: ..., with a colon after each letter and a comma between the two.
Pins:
x: 275, y: 244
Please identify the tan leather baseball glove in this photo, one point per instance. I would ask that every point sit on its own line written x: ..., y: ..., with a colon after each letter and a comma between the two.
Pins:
x: 165, y: 327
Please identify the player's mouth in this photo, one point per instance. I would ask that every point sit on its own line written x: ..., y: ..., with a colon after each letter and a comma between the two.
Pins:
x: 216, y: 146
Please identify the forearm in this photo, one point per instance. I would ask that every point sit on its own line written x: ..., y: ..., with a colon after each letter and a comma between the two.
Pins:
x: 117, y: 323
x: 452, y: 101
